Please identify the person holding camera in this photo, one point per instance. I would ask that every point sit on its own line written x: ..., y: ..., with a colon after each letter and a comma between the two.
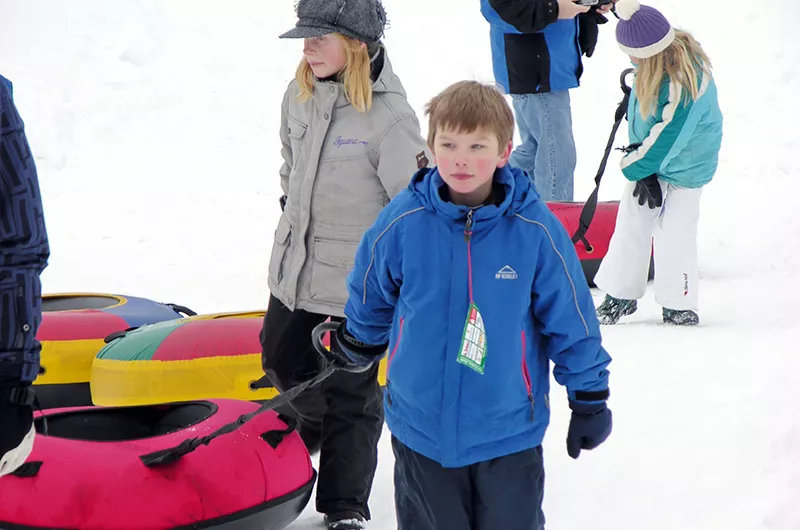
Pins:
x: 537, y: 61
x: 24, y: 251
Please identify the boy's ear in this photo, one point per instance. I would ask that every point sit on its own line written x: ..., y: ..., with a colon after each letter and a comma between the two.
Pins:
x: 433, y: 154
x: 505, y: 154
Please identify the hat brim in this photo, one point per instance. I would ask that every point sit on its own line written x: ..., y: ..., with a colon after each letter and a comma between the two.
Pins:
x: 305, y: 32
x: 646, y: 52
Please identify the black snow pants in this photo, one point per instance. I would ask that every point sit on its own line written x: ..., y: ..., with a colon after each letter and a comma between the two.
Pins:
x: 342, y: 417
x: 505, y: 493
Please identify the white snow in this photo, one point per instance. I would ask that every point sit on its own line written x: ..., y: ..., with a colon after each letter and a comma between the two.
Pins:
x: 155, y: 128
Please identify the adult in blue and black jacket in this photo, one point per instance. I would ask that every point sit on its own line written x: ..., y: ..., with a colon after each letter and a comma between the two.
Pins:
x: 24, y: 252
x: 537, y: 47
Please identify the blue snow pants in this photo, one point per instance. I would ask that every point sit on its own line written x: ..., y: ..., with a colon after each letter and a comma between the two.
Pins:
x: 504, y: 493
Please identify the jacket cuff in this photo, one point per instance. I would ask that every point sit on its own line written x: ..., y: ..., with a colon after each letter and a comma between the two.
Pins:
x: 631, y: 174
x: 589, y: 396
x: 550, y: 12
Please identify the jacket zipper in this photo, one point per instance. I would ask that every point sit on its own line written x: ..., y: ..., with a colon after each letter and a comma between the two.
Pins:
x: 468, y: 239
x: 525, y: 374
x: 391, y: 357
x: 527, y: 378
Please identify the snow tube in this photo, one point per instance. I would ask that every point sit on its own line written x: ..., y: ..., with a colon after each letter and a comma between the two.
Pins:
x: 598, y: 236
x: 87, y: 474
x: 72, y: 331
x: 199, y: 357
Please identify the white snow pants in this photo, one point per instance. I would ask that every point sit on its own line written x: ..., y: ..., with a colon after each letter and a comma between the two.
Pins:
x: 672, y: 229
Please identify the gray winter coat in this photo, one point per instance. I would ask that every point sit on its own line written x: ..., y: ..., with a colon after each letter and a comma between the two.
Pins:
x: 341, y: 168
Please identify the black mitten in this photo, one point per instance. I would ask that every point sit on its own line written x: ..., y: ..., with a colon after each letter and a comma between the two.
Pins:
x: 349, y: 354
x: 588, y: 32
x: 589, y: 427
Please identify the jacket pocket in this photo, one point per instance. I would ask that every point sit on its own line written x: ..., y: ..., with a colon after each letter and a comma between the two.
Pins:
x: 14, y: 321
x: 391, y: 358
x: 333, y: 261
x: 296, y: 131
x: 526, y: 378
x: 277, y: 260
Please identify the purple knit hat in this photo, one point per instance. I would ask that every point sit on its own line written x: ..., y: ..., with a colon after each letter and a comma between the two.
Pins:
x: 642, y: 31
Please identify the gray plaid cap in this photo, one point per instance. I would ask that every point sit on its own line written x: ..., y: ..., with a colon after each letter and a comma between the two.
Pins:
x: 364, y: 20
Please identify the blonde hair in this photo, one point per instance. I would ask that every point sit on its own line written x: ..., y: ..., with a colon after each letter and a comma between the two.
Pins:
x: 468, y: 105
x: 356, y: 76
x: 682, y: 62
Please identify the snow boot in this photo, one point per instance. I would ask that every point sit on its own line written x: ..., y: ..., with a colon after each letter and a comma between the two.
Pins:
x: 612, y: 309
x: 685, y: 317
x: 345, y: 521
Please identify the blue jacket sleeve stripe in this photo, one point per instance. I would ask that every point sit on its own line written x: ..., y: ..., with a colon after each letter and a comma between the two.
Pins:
x: 648, y: 158
x: 372, y: 285
x: 566, y: 269
x: 375, y: 244
x: 576, y: 350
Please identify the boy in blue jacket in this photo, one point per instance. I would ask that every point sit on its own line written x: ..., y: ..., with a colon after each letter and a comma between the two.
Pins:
x: 473, y: 286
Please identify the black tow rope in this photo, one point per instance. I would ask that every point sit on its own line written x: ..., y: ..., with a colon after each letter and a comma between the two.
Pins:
x: 173, y: 454
x: 590, y: 206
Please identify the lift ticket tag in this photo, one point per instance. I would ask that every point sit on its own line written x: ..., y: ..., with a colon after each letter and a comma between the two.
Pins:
x: 473, y: 343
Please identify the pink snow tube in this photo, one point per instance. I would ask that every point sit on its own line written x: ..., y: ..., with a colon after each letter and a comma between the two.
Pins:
x: 86, y: 474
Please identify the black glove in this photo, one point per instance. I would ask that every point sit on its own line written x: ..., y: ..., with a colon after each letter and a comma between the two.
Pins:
x: 588, y: 32
x: 16, y: 427
x: 351, y: 355
x: 589, y: 427
x: 649, y: 190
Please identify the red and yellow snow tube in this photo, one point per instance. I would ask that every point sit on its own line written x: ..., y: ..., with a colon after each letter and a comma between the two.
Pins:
x: 598, y: 236
x: 72, y: 331
x: 86, y: 474
x: 215, y: 356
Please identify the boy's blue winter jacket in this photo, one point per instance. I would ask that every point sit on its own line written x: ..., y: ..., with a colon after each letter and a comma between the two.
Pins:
x: 410, y: 288
x: 681, y: 141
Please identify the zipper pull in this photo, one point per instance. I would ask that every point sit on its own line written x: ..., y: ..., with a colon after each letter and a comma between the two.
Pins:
x: 468, y: 226
x: 533, y: 406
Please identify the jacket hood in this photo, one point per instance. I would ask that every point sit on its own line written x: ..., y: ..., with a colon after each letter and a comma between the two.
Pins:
x: 387, y: 81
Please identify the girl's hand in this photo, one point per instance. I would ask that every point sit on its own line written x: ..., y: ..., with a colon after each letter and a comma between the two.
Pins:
x: 569, y: 9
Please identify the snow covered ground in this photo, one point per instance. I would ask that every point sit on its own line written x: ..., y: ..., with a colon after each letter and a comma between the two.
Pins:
x: 155, y: 128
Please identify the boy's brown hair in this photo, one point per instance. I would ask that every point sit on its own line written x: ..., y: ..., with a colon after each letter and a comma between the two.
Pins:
x: 468, y: 105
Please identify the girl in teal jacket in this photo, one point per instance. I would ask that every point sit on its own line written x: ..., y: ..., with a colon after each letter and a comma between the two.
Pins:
x: 675, y: 129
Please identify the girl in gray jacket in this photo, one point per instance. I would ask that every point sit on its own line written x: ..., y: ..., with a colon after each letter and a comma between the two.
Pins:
x: 350, y: 143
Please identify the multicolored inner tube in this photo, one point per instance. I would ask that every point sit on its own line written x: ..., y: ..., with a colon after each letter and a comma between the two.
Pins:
x: 72, y: 331
x: 86, y: 474
x: 200, y: 357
